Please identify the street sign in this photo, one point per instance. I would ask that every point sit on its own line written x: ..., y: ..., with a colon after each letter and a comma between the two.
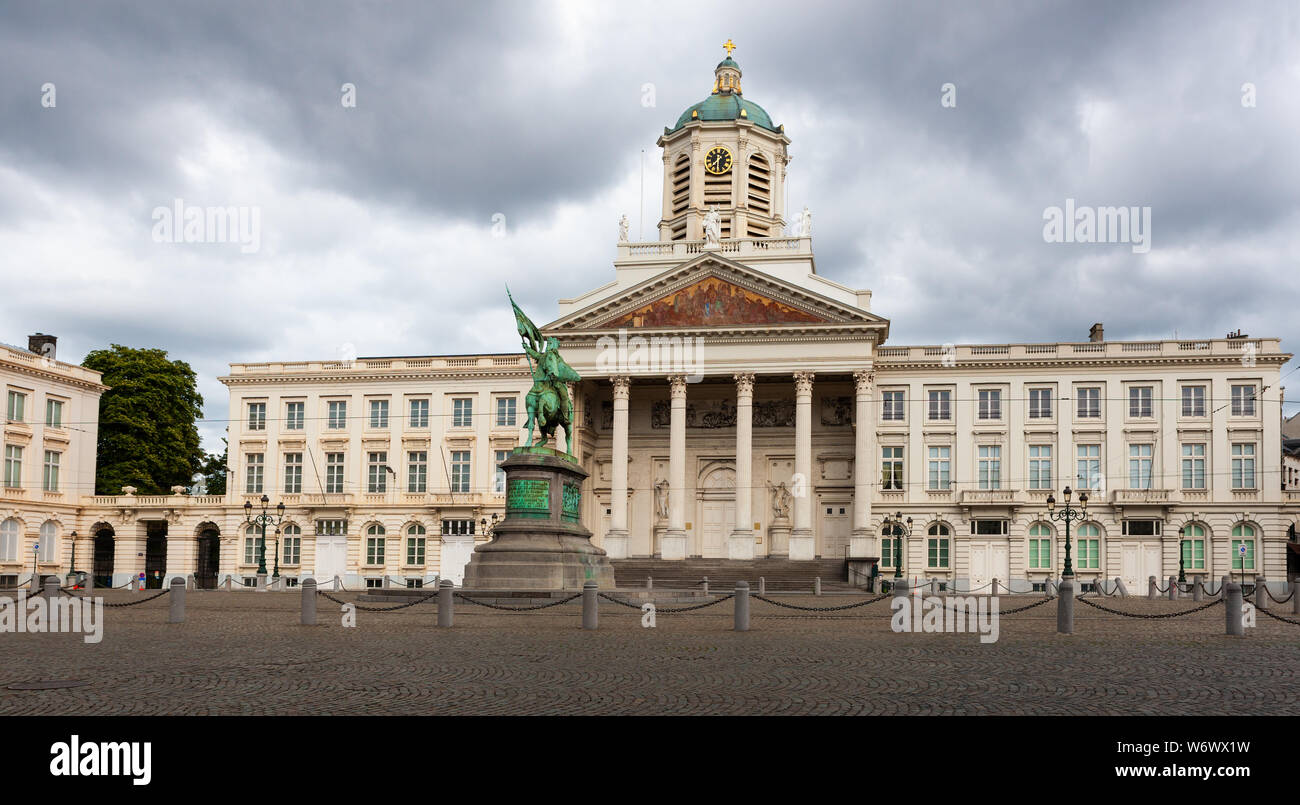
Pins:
x: 1241, y: 549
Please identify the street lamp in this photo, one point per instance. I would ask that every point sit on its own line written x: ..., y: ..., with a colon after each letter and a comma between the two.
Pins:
x: 894, y: 527
x: 1066, y: 515
x: 488, y: 526
x: 262, y: 520
x: 1182, y: 575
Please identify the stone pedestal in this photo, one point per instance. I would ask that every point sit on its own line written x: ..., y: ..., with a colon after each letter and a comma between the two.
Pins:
x: 862, y: 545
x: 657, y: 549
x: 778, y: 534
x: 673, y: 545
x: 802, y: 546
x: 740, y: 545
x: 541, y: 544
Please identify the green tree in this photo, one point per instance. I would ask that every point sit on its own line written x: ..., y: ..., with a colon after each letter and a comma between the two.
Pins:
x: 148, y: 436
x: 214, y: 470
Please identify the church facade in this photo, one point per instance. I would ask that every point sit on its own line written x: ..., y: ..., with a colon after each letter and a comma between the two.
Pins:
x: 736, y: 403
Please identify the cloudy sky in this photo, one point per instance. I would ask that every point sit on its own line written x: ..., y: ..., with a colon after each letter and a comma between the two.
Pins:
x: 376, y: 221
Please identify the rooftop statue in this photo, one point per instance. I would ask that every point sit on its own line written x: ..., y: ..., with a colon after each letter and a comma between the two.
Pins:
x: 548, y: 401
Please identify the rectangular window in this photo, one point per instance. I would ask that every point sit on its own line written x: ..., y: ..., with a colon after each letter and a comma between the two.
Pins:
x: 257, y: 416
x: 50, y: 480
x: 893, y: 406
x: 940, y: 467
x: 460, y: 470
x: 1243, y: 400
x: 1088, y: 554
x: 54, y: 413
x: 292, y: 473
x: 886, y: 550
x: 1139, y: 402
x: 379, y: 413
x: 374, y: 550
x: 377, y: 472
x: 1193, y: 400
x: 458, y: 527
x: 337, y: 417
x: 253, y: 473
x: 292, y: 552
x: 499, y: 479
x: 462, y: 412
x: 506, y: 412
x: 990, y: 404
x: 1089, y: 467
x: 891, y: 468
x: 294, y: 415
x: 1194, y: 466
x: 940, y: 406
x: 250, y: 550
x: 990, y: 467
x: 417, y: 471
x: 13, y: 466
x: 1139, y: 466
x: 1040, y: 554
x: 1246, y: 561
x: 334, y: 473
x: 1243, y: 465
x: 938, y: 553
x: 17, y: 404
x: 1040, y: 466
x: 1040, y: 403
x: 1194, y: 554
x: 419, y: 413
x: 331, y: 527
x: 1089, y: 403
x: 415, y: 551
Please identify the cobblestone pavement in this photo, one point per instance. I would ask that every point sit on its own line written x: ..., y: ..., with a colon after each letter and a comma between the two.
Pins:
x: 245, y: 653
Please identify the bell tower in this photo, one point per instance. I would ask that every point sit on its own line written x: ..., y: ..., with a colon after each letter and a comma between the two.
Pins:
x: 724, y: 152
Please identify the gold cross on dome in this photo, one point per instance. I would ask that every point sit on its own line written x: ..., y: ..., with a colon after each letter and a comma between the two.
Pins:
x: 729, y: 46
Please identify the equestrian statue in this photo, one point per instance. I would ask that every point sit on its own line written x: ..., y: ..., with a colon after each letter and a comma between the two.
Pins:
x: 548, y: 401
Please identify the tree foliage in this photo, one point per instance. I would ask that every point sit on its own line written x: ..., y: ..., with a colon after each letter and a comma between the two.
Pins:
x: 148, y: 432
x: 214, y: 470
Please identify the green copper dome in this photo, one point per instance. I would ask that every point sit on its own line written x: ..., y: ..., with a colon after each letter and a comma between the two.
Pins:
x: 726, y: 107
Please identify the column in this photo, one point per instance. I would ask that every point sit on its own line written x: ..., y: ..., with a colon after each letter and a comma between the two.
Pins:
x: 741, y: 543
x: 864, y: 464
x: 674, y: 541
x: 802, y: 543
x: 616, y: 539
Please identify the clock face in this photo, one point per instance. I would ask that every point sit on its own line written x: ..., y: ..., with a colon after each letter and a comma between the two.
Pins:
x: 718, y: 160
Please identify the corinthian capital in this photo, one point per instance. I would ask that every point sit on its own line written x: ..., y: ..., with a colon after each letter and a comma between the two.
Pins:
x: 622, y: 384
x: 863, y: 380
x: 803, y: 383
x: 744, y: 384
x: 678, y: 385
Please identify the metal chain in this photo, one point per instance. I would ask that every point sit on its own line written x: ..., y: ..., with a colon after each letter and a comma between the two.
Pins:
x: 1279, y: 600
x: 670, y: 610
x: 1027, y: 606
x: 1278, y: 617
x: 469, y: 600
x: 361, y: 608
x: 767, y: 600
x: 141, y: 601
x: 1150, y: 617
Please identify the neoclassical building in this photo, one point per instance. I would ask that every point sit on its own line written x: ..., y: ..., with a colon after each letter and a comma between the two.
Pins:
x: 739, y: 404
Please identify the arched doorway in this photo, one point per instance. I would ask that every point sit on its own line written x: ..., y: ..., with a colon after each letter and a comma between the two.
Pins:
x: 102, y: 565
x: 717, y: 509
x: 155, y: 554
x: 208, y: 562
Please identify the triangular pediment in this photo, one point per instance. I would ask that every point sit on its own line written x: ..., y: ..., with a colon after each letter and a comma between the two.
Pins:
x: 710, y: 292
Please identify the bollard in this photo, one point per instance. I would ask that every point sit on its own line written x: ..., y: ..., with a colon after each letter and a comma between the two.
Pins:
x: 817, y: 585
x: 1119, y: 586
x: 338, y: 584
x: 1065, y: 606
x: 934, y: 586
x: 649, y: 582
x: 706, y: 585
x: 261, y: 582
x: 177, y: 614
x: 1261, y: 596
x: 993, y: 588
x: 90, y: 580
x: 1223, y: 583
x: 900, y: 588
x: 1173, y: 588
x: 1295, y: 599
x: 1198, y: 590
x: 1152, y: 589
x: 190, y: 583
x: 742, y: 606
x: 445, y: 604
x: 308, y: 602
x: 762, y: 586
x: 51, y: 587
x: 590, y: 615
x: 1232, y: 605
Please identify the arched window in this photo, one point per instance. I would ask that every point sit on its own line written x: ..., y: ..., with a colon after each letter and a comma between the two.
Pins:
x: 938, y: 542
x: 1087, y: 549
x: 1243, y: 537
x: 291, y: 545
x: 252, y: 540
x: 1040, y: 546
x: 760, y: 194
x: 375, y: 544
x: 49, y: 541
x: 9, y: 532
x: 1193, y: 547
x: 415, y: 543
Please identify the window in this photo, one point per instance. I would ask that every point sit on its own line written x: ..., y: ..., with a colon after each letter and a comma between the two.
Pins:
x: 375, y: 544
x: 1141, y: 528
x: 1088, y: 548
x: 294, y: 414
x: 891, y: 468
x: 886, y: 550
x: 1089, y: 403
x: 1139, y: 466
x: 990, y: 527
x: 1089, y: 474
x: 499, y: 478
x: 13, y: 466
x: 1243, y: 400
x: 257, y: 416
x: 462, y: 412
x: 1243, y: 465
x: 506, y: 412
x: 54, y: 413
x: 1194, y: 466
x: 419, y: 413
x: 990, y: 467
x: 1040, y: 547
x: 291, y: 545
x: 940, y: 406
x: 990, y: 404
x: 17, y: 402
x: 940, y: 466
x: 252, y: 539
x: 255, y: 464
x: 1040, y: 466
x: 417, y: 471
x: 457, y: 527
x: 334, y: 473
x: 9, y: 531
x: 337, y: 417
x: 50, y: 478
x: 292, y: 473
x: 331, y: 527
x: 49, y: 542
x: 1193, y: 400
x: 379, y: 413
x: 893, y: 406
x: 1139, y: 402
x: 377, y: 472
x: 415, y: 546
x: 937, y: 544
x: 1243, y: 536
x: 1040, y: 403
x: 460, y: 470
x: 1193, y: 547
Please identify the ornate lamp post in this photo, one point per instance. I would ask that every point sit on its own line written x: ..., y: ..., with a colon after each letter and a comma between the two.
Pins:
x: 1182, y: 575
x: 894, y: 527
x: 1066, y: 515
x: 262, y: 520
x: 488, y: 526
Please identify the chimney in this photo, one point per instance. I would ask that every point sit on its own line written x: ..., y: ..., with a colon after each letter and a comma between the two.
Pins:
x: 1095, y: 334
x: 42, y: 344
